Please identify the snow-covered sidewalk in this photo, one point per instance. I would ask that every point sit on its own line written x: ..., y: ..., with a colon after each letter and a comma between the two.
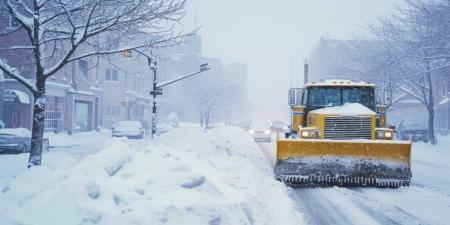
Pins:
x: 186, y: 176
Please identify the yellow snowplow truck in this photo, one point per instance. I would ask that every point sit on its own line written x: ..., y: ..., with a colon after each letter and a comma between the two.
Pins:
x: 338, y: 136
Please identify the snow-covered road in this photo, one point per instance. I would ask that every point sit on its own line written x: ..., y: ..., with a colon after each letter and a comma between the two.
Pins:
x: 426, y: 201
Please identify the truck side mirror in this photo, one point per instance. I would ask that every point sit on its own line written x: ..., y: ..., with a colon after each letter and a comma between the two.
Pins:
x: 295, y: 96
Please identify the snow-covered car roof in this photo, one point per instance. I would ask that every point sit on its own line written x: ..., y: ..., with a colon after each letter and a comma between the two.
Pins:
x: 21, y: 132
x: 345, y: 83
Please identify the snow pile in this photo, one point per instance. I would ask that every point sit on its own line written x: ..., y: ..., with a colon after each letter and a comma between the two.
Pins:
x: 186, y: 176
x: 63, y: 140
x: 348, y: 109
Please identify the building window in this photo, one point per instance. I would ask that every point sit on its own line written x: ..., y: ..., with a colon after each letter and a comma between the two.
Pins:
x: 112, y: 111
x: 83, y: 69
x: 54, y: 113
x: 111, y: 75
x: 13, y: 23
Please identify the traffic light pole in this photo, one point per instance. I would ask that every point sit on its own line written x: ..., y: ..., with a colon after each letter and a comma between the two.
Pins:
x: 157, y: 89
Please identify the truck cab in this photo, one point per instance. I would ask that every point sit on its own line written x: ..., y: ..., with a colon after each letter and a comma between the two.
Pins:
x: 338, y: 109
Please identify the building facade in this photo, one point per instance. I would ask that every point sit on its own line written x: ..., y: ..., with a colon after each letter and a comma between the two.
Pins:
x: 93, y: 93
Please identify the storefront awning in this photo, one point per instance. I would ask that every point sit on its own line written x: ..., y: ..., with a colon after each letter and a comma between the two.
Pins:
x: 10, y: 95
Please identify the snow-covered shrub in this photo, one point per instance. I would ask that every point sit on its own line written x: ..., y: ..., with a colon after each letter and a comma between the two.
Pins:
x: 172, y: 119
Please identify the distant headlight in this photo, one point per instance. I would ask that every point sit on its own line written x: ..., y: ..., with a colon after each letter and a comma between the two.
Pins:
x: 251, y: 131
x: 384, y: 134
x: 309, y: 133
x: 267, y: 132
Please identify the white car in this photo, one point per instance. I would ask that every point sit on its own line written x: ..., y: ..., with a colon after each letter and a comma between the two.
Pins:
x: 261, y: 135
x: 278, y: 126
x: 129, y: 129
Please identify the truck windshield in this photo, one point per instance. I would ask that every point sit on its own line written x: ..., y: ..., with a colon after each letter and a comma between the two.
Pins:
x: 337, y: 96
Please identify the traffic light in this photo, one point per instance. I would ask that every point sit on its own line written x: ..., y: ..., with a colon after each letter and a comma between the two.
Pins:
x: 127, y: 53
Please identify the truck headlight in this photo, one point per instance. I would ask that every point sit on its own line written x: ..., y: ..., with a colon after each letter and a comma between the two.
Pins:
x: 385, y: 134
x: 309, y: 133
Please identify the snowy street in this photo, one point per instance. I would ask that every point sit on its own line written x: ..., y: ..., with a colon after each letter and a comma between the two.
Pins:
x: 195, y: 162
x: 426, y: 201
x: 200, y: 112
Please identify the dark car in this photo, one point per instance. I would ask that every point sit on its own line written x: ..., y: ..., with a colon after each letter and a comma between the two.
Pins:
x: 15, y: 140
x: 417, y: 130
x: 129, y: 129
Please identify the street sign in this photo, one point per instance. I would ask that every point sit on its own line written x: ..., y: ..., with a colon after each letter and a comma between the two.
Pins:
x: 157, y: 92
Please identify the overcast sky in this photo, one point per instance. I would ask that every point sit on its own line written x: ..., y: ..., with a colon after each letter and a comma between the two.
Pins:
x: 269, y: 35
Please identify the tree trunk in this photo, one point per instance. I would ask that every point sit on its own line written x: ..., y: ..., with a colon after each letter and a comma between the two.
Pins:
x: 431, y: 133
x: 38, y: 124
x: 201, y: 119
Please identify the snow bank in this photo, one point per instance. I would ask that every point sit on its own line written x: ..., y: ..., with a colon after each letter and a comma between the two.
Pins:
x: 348, y: 109
x: 186, y: 176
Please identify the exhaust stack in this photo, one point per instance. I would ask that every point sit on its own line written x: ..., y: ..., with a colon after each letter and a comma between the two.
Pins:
x: 305, y: 71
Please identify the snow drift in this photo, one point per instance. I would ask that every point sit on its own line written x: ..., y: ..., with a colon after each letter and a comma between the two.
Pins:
x: 186, y: 176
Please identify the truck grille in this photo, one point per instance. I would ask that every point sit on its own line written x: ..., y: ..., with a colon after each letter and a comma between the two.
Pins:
x: 353, y: 127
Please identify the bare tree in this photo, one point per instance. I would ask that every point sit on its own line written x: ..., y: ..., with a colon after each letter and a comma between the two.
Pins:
x: 213, y: 99
x: 63, y: 31
x: 416, y: 39
x: 208, y: 101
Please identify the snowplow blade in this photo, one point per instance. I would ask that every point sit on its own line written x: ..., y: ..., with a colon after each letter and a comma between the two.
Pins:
x: 343, y: 162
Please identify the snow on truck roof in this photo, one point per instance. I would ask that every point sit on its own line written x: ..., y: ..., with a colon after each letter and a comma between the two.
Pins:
x: 339, y: 83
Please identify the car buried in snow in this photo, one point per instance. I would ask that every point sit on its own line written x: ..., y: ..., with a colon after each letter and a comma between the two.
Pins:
x: 129, y: 129
x: 15, y: 140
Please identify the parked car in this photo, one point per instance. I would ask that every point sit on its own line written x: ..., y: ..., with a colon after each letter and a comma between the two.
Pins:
x: 416, y: 129
x: 129, y: 129
x: 15, y: 140
x: 261, y: 135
